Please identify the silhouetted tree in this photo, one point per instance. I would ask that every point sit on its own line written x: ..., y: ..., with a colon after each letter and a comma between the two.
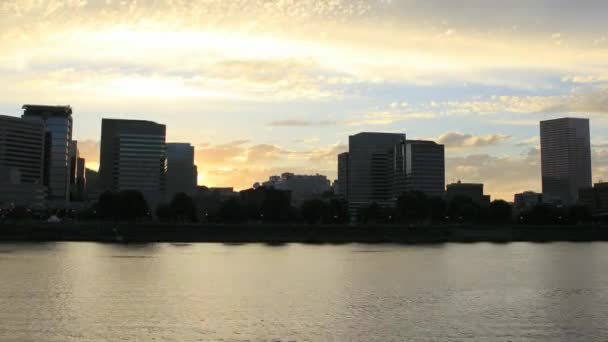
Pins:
x: 165, y: 213
x: 337, y: 211
x: 125, y: 205
x: 463, y: 209
x: 579, y: 214
x: 183, y: 207
x: 540, y: 214
x: 499, y: 211
x: 371, y: 213
x: 107, y: 205
x: 412, y: 206
x: 314, y: 211
x: 437, y: 209
x: 232, y: 210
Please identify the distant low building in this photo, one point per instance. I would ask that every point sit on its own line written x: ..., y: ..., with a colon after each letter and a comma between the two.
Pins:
x: 224, y: 193
x: 302, y: 187
x: 527, y: 200
x: 474, y: 191
x: 595, y: 198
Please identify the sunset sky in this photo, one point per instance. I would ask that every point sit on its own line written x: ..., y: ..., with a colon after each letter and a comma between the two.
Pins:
x: 261, y: 87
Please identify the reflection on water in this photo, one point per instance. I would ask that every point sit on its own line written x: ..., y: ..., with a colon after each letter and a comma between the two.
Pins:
x: 257, y: 292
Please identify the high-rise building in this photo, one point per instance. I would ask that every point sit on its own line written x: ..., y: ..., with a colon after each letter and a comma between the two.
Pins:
x: 425, y: 167
x: 22, y: 147
x: 133, y: 157
x: 14, y: 193
x: 376, y: 170
x: 57, y: 121
x: 77, y: 173
x: 565, y: 149
x: 181, y: 171
x: 342, y: 181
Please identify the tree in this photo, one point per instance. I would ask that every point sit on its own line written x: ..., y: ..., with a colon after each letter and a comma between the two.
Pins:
x: 337, y: 211
x: 183, y: 208
x: 371, y: 213
x: 124, y: 205
x: 232, y: 210
x: 412, y: 206
x: 314, y: 211
x: 107, y: 205
x: 133, y: 205
x: 463, y: 209
x: 579, y: 214
x: 165, y: 213
x: 499, y: 211
x: 437, y: 209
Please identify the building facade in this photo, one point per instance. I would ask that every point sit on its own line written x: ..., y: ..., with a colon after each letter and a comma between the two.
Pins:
x: 565, y: 147
x: 425, y: 167
x: 376, y: 170
x: 57, y: 122
x: 474, y: 191
x: 527, y: 200
x: 595, y: 198
x: 22, y: 147
x: 341, y: 188
x: 302, y: 187
x: 181, y: 171
x: 133, y: 157
x: 15, y: 193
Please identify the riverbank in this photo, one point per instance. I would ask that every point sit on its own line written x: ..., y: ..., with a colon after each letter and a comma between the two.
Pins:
x: 277, y: 233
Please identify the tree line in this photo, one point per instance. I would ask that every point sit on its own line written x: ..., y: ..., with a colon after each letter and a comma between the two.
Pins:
x: 266, y: 204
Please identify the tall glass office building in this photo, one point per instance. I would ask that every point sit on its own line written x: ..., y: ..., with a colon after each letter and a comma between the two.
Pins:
x: 58, y: 134
x: 133, y: 157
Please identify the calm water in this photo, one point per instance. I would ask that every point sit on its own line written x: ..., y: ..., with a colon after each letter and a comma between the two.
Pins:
x: 215, y: 292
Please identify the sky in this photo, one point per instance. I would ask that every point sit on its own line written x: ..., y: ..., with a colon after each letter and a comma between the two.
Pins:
x: 261, y: 87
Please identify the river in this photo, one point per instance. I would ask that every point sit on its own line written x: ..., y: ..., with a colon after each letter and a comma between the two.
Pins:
x: 295, y: 292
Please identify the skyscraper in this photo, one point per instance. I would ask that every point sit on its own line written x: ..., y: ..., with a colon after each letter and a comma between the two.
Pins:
x: 565, y: 149
x: 57, y: 121
x: 342, y: 188
x: 77, y: 176
x: 376, y: 169
x: 425, y: 167
x: 133, y: 157
x: 22, y: 147
x: 181, y: 171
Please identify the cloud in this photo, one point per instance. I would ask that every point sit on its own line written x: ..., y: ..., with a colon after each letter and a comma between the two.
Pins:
x: 300, y: 123
x: 89, y: 150
x: 460, y: 140
x: 242, y: 163
x: 379, y: 118
x: 502, y: 176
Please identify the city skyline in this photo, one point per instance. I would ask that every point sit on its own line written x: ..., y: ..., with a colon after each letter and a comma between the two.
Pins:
x: 257, y: 97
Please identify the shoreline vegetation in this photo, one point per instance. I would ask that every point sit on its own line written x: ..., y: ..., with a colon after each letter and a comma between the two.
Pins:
x: 296, y: 233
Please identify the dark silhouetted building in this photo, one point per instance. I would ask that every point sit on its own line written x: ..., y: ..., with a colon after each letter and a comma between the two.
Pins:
x: 14, y: 193
x: 376, y: 170
x: 181, y: 171
x: 425, y: 167
x: 302, y: 187
x: 77, y: 174
x: 93, y: 186
x: 595, y: 198
x: 22, y: 147
x: 527, y: 200
x: 565, y: 147
x: 474, y: 191
x: 133, y: 157
x: 57, y: 122
x: 341, y: 188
